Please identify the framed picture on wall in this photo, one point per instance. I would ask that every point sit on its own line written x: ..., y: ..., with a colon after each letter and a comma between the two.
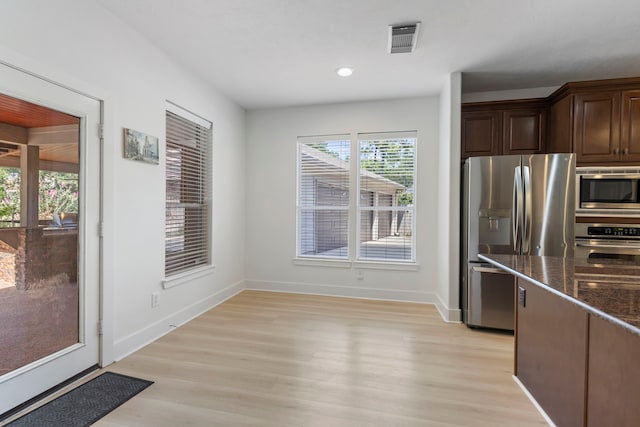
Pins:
x: 140, y: 146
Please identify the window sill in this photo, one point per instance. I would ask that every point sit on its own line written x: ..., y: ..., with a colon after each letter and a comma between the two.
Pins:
x: 373, y: 265
x: 187, y: 276
x: 382, y: 265
x: 320, y: 262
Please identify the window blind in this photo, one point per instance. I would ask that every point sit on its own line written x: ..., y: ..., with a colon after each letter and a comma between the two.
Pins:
x: 188, y: 191
x: 323, y: 196
x: 386, y: 184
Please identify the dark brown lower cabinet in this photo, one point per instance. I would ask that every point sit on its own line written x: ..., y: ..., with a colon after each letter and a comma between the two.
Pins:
x: 613, y: 396
x: 551, y: 349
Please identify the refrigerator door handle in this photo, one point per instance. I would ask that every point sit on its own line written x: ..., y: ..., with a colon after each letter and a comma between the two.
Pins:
x: 528, y: 211
x: 516, y: 211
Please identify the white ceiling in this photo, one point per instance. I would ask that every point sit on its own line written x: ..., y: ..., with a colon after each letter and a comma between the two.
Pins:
x: 269, y: 53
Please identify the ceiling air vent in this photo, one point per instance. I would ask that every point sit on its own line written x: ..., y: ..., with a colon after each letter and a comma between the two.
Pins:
x: 402, y: 38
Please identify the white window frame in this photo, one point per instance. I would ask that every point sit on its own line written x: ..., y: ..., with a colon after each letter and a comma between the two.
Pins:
x: 359, y: 208
x: 180, y: 272
x: 354, y: 208
x: 300, y: 208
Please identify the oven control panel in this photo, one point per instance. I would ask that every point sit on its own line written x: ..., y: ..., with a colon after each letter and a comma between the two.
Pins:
x: 613, y: 231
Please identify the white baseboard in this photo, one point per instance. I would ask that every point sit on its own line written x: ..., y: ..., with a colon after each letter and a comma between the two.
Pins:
x: 450, y: 315
x: 156, y: 330
x: 534, y: 401
x: 342, y: 291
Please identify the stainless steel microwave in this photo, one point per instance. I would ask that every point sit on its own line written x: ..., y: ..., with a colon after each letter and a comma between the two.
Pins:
x: 608, y: 191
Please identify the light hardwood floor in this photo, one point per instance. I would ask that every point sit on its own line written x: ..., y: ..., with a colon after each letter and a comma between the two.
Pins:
x: 274, y: 359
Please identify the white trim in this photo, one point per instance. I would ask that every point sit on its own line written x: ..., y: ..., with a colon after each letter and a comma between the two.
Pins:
x: 186, y: 114
x: 342, y: 291
x: 374, y: 136
x: 110, y: 154
x: 324, y: 138
x: 449, y: 315
x: 386, y: 265
x: 187, y: 276
x: 139, y: 339
x: 322, y: 262
x: 37, y: 363
x: 533, y: 400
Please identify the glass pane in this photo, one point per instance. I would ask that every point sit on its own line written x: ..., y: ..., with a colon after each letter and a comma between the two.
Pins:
x: 386, y: 234
x: 38, y: 233
x: 324, y: 232
x: 324, y: 173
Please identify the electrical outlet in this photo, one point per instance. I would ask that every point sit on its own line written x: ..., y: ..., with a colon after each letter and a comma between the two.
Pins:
x: 360, y: 275
x: 154, y: 299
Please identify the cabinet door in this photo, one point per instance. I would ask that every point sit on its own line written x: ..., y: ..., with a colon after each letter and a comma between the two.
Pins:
x: 551, y: 346
x: 523, y: 131
x: 630, y: 131
x: 481, y: 133
x: 614, y: 375
x: 597, y: 127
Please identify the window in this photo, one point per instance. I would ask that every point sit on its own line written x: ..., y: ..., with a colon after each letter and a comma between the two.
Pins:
x: 386, y: 175
x: 188, y: 194
x: 383, y: 212
x: 323, y: 196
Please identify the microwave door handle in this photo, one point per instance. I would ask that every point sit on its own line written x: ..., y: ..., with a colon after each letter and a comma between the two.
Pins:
x: 516, y: 209
x: 528, y: 211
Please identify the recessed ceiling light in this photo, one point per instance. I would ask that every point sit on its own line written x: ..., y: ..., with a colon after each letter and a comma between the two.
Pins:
x: 344, y: 71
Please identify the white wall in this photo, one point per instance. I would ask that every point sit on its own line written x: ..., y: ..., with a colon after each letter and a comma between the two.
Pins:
x: 271, y: 198
x: 79, y: 44
x: 448, y: 196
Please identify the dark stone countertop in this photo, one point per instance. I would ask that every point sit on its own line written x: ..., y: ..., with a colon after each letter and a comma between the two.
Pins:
x: 610, y: 290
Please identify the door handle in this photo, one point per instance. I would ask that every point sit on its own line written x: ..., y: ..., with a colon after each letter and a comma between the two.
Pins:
x: 528, y: 211
x: 621, y: 248
x: 516, y: 211
x: 625, y: 151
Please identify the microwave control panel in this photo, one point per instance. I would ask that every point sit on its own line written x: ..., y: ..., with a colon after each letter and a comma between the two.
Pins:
x: 614, y: 231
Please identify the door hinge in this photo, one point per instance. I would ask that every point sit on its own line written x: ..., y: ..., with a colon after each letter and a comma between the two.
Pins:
x: 101, y: 130
x: 100, y: 229
x: 100, y: 330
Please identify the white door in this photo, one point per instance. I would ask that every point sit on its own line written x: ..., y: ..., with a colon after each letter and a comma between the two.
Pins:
x: 49, y: 243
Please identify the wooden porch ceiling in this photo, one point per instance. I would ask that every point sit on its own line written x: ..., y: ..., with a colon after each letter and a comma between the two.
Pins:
x: 56, y: 133
x: 25, y: 114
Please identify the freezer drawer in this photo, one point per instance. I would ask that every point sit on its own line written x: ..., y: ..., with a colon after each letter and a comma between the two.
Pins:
x: 490, y: 297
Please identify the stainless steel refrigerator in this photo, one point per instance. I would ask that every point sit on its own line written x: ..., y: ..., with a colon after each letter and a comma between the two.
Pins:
x: 521, y: 205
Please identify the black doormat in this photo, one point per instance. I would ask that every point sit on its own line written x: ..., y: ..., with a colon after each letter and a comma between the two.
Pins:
x: 85, y: 404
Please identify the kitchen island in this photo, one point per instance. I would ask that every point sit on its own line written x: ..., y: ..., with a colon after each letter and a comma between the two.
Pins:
x: 577, y: 337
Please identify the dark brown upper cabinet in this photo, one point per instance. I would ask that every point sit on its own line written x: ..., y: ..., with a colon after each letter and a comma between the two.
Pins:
x: 597, y: 127
x: 523, y: 131
x: 598, y: 120
x: 560, y: 125
x: 630, y: 126
x: 607, y: 127
x: 481, y: 133
x: 496, y: 128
